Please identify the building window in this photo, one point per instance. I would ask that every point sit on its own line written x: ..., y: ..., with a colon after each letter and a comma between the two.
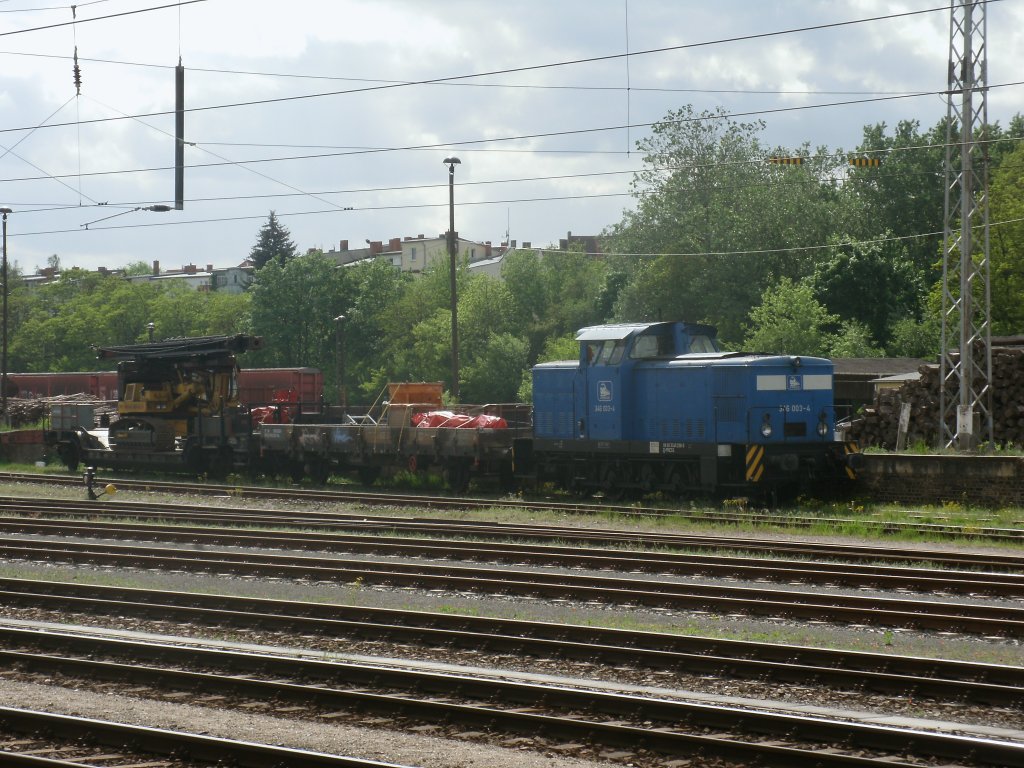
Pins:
x: 412, y: 253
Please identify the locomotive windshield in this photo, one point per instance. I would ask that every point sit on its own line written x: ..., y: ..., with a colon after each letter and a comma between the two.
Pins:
x: 608, y: 352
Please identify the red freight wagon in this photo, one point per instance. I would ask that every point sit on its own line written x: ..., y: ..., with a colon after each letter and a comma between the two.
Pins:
x: 262, y: 386
x: 100, y: 384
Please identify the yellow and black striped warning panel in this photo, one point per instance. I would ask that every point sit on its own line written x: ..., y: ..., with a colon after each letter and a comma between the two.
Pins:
x: 786, y: 160
x: 848, y: 448
x: 864, y: 162
x: 755, y: 463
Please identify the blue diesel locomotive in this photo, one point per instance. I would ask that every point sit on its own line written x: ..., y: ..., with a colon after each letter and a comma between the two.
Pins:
x: 659, y: 407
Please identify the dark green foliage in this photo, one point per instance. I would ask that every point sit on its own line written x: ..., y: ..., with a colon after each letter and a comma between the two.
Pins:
x: 274, y: 245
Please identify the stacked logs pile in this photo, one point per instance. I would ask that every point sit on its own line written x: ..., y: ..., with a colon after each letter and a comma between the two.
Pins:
x: 27, y: 412
x: 878, y: 424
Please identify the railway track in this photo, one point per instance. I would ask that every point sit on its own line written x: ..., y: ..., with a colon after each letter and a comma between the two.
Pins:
x: 550, y: 711
x: 30, y: 739
x: 989, y: 684
x: 965, y: 618
x: 954, y: 531
x: 330, y: 521
x: 1002, y: 584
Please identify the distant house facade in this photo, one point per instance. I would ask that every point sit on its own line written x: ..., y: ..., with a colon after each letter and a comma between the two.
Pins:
x: 227, y: 280
x: 416, y: 254
x: 410, y: 254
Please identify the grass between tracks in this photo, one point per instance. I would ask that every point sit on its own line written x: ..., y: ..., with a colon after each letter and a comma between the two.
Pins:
x: 855, y: 519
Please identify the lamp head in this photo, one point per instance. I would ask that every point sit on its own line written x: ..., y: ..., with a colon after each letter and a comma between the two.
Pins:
x: 451, y: 161
x: 5, y: 210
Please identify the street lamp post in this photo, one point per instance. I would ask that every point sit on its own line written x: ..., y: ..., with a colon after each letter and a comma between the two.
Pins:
x: 453, y: 248
x: 339, y: 361
x: 3, y: 349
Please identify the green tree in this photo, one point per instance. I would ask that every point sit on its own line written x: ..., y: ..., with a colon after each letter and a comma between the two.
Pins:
x: 873, y: 284
x: 715, y: 223
x: 790, y: 321
x: 853, y: 340
x: 903, y: 195
x: 493, y: 373
x: 1006, y: 245
x: 181, y: 311
x: 916, y: 338
x: 369, y: 339
x: 60, y: 324
x: 557, y: 292
x: 293, y: 309
x: 274, y: 244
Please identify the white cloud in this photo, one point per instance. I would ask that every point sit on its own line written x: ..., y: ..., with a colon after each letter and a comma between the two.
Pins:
x: 410, y: 40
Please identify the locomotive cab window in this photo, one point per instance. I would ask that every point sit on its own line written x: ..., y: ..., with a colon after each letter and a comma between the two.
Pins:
x: 607, y: 352
x: 702, y: 343
x: 654, y: 344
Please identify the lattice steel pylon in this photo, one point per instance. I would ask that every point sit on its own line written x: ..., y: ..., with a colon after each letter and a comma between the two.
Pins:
x: 966, y: 360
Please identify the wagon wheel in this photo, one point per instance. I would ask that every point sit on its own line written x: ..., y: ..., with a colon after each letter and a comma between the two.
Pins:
x: 220, y: 463
x: 70, y: 454
x: 319, y: 472
x: 296, y: 471
x: 457, y: 474
x: 368, y: 475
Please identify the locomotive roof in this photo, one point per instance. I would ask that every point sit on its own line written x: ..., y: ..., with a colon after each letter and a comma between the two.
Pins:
x: 617, y: 331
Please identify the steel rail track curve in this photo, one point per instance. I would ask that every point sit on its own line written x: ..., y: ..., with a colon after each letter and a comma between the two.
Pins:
x: 992, y: 684
x: 921, y: 614
x: 667, y: 726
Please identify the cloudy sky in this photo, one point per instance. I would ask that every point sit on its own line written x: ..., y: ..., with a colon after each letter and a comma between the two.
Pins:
x: 318, y: 110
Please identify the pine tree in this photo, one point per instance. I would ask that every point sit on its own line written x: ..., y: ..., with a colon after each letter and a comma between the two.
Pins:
x: 274, y: 244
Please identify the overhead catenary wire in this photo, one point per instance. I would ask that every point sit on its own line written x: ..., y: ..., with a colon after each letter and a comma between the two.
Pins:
x: 572, y: 62
x: 447, y: 144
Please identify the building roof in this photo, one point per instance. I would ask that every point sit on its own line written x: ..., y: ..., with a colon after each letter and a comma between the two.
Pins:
x: 876, y: 367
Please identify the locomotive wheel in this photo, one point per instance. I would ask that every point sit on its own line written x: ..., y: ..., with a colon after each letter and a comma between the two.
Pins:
x: 646, y: 478
x: 611, y: 484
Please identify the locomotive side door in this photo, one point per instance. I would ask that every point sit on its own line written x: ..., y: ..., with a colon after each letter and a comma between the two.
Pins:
x: 599, y: 395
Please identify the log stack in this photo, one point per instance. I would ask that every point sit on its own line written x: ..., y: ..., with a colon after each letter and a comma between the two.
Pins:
x: 878, y: 425
x: 26, y: 412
